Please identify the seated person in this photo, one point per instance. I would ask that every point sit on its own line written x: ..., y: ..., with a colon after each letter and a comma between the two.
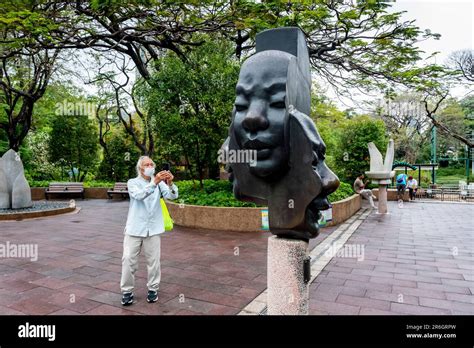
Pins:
x: 365, y: 193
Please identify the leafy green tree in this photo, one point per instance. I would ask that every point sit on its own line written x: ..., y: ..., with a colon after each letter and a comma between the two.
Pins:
x: 39, y: 166
x: 25, y: 68
x: 453, y: 117
x: 406, y: 123
x: 118, y: 163
x: 57, y: 99
x: 467, y: 105
x: 352, y: 154
x: 351, y: 43
x: 192, y: 103
x: 73, y: 143
x: 328, y: 119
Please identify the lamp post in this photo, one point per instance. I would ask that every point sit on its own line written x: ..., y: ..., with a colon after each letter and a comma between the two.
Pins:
x: 433, y: 152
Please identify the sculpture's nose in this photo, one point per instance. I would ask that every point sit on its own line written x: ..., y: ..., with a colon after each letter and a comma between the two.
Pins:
x: 255, y: 120
x: 329, y: 180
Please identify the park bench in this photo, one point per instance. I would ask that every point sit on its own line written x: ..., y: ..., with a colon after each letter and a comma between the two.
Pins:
x: 61, y: 188
x: 120, y: 188
x: 467, y: 191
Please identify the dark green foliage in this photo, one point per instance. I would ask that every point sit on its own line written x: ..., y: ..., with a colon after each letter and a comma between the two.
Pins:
x: 216, y: 193
x: 73, y: 142
x: 345, y: 190
x: 352, y: 153
x: 191, y: 105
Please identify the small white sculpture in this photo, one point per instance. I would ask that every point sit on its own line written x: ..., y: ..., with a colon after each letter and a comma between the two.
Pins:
x: 14, y: 188
x: 381, y: 171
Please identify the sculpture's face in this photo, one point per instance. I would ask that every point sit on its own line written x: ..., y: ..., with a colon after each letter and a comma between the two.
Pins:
x: 260, y: 111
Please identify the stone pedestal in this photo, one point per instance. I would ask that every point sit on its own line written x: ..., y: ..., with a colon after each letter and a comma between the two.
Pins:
x: 382, y: 205
x: 288, y: 294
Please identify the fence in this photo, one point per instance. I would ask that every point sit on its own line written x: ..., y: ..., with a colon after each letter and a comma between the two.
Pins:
x: 461, y: 192
x: 449, y: 193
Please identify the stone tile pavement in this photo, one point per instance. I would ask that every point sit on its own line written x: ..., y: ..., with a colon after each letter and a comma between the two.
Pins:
x: 417, y: 260
x: 79, y: 266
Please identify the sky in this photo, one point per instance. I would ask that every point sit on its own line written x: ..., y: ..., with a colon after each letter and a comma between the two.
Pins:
x: 453, y: 19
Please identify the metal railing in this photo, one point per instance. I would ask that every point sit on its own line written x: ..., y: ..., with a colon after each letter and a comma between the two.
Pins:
x: 451, y: 193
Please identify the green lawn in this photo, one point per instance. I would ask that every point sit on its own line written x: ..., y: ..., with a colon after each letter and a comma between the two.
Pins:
x: 450, y: 179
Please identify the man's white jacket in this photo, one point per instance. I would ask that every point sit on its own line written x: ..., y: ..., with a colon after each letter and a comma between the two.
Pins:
x: 145, y: 217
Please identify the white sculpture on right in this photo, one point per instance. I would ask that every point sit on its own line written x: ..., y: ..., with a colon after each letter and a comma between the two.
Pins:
x: 381, y: 172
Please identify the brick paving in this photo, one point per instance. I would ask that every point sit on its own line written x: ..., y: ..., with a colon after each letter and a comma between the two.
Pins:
x: 79, y: 265
x: 411, y: 266
x: 417, y: 260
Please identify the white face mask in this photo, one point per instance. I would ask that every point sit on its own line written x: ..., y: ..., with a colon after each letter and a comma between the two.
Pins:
x: 149, y: 171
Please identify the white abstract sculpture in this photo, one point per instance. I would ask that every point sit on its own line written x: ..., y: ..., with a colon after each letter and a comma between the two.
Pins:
x: 14, y: 188
x: 381, y: 171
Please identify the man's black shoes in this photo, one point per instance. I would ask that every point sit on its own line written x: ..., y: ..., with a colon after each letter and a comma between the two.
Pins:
x: 152, y: 296
x: 127, y: 298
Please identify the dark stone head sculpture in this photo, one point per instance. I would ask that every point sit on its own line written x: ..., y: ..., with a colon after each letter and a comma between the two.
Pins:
x: 270, y: 118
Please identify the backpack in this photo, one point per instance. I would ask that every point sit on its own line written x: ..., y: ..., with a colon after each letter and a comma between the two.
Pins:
x: 400, y: 179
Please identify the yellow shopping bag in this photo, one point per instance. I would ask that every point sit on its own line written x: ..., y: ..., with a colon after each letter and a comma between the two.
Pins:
x: 166, y: 216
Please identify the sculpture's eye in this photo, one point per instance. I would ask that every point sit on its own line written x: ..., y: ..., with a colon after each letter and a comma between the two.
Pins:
x: 278, y: 105
x: 241, y: 107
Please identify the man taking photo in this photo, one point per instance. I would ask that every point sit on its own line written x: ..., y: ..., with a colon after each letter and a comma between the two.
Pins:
x: 144, y: 226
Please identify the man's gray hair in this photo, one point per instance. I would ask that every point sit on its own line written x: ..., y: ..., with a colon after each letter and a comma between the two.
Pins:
x: 139, y: 164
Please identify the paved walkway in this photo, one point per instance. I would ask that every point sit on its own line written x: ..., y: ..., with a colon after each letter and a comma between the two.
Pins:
x: 79, y: 266
x: 408, y: 253
x: 417, y: 260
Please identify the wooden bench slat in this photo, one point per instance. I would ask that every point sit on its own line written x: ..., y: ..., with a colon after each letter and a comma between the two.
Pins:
x: 120, y: 188
x: 64, y: 188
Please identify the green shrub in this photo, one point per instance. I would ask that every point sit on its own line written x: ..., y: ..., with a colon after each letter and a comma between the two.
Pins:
x: 108, y: 184
x: 215, y: 193
x: 39, y: 183
x: 87, y: 184
x: 344, y: 191
x: 218, y: 193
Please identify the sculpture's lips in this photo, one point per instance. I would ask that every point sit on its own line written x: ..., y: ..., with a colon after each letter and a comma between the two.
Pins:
x: 263, y: 153
x: 264, y: 150
x: 322, y: 203
x: 256, y: 144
